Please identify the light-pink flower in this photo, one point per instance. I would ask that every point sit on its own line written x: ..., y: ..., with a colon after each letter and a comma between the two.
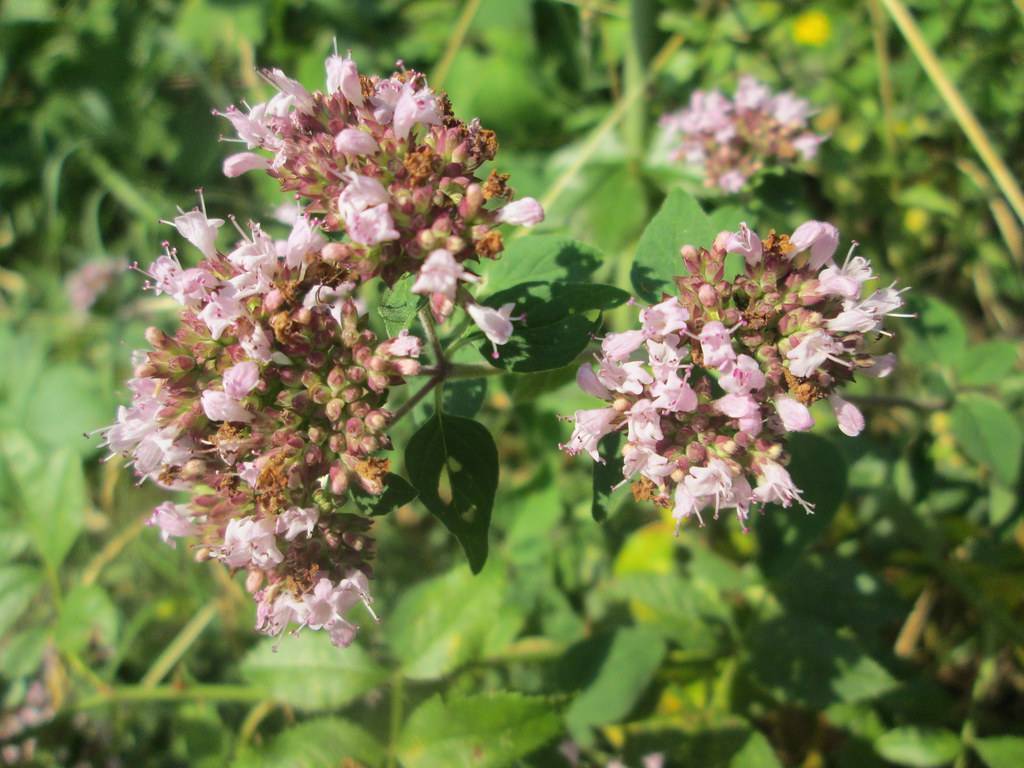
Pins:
x: 619, y: 346
x: 296, y: 520
x: 240, y: 379
x: 173, y: 520
x: 219, y: 406
x: 587, y: 380
x: 591, y: 426
x: 794, y: 415
x: 716, y: 345
x: 414, y: 107
x: 745, y: 242
x: 821, y: 237
x: 353, y: 141
x: 643, y: 421
x: 243, y: 162
x: 668, y: 316
x: 525, y: 212
x: 342, y: 75
x: 848, y: 416
x: 495, y: 323
x: 195, y: 227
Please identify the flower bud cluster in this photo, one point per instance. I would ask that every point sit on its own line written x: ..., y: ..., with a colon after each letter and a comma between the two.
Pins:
x: 713, y: 380
x: 385, y: 162
x: 734, y: 139
x: 267, y: 404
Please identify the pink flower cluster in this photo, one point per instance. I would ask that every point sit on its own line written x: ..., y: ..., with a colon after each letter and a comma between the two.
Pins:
x: 734, y: 139
x: 713, y: 380
x: 385, y: 162
x: 267, y: 403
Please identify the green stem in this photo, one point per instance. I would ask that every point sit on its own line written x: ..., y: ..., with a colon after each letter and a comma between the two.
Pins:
x: 466, y: 371
x: 887, y: 401
x: 624, y: 104
x: 199, y: 692
x: 412, y: 402
x: 455, y: 41
x: 179, y: 645
x: 986, y: 675
x: 957, y: 105
x: 427, y: 321
x: 395, y: 717
x: 643, y: 31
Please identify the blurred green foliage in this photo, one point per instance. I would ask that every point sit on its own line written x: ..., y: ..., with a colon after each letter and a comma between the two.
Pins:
x: 888, y: 629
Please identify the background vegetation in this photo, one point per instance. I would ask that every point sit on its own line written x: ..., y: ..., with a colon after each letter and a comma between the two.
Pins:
x: 888, y: 629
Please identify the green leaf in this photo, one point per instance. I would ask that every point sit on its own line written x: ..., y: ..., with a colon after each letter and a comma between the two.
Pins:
x: 543, y: 348
x: 18, y: 585
x: 1000, y: 751
x: 989, y: 434
x: 484, y: 731
x: 802, y: 661
x: 683, y: 612
x: 83, y: 408
x: 560, y: 321
x: 819, y: 470
x: 937, y: 333
x: 728, y: 217
x: 548, y: 279
x: 680, y: 221
x: 441, y: 623
x: 757, y: 752
x: 397, y: 493
x: 56, y: 504
x: 539, y: 260
x: 627, y: 666
x: 606, y: 475
x: 87, y: 615
x: 918, y: 747
x: 453, y: 464
x: 987, y: 363
x: 309, y: 673
x: 398, y: 305
x: 325, y: 742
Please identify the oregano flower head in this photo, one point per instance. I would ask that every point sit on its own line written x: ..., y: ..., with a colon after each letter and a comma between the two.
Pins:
x: 385, y: 162
x: 706, y: 390
x: 733, y: 139
x: 268, y: 403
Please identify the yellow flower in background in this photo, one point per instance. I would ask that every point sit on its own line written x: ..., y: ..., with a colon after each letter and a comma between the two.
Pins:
x: 812, y: 28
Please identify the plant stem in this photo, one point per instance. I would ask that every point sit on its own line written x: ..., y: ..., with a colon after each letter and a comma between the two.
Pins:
x: 435, y: 343
x: 413, y: 401
x: 395, y: 717
x: 956, y: 104
x: 879, y: 30
x: 199, y: 692
x: 610, y: 121
x: 179, y: 645
x: 455, y: 41
x: 111, y: 550
x: 466, y: 371
x: 895, y: 400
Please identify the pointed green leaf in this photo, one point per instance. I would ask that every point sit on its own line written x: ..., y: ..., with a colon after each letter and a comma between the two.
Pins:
x: 326, y: 742
x: 485, y: 731
x: 989, y: 434
x: 453, y: 464
x: 442, y: 623
x: 680, y: 221
x: 397, y: 493
x: 1000, y: 751
x: 309, y: 673
x: 918, y: 747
